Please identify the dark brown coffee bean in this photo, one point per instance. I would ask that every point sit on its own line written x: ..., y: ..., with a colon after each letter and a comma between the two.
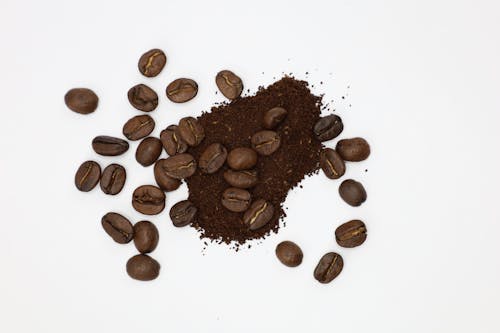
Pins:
x: 191, y: 131
x: 145, y: 236
x: 354, y: 150
x: 172, y: 141
x: 274, y: 117
x: 242, y: 158
x: 352, y: 192
x: 148, y: 200
x: 143, y: 98
x: 81, y: 100
x: 258, y: 215
x: 109, y: 146
x: 138, y: 127
x: 329, y: 267
x: 328, y: 127
x: 213, y: 158
x: 87, y: 176
x: 332, y: 164
x: 236, y: 199
x: 182, y: 90
x: 289, y: 254
x: 266, y: 142
x: 229, y: 84
x: 351, y: 234
x: 164, y: 181
x: 118, y: 227
x: 148, y: 151
x: 241, y: 179
x: 183, y: 213
x: 179, y: 166
x: 113, y: 179
x: 142, y: 267
x: 152, y: 62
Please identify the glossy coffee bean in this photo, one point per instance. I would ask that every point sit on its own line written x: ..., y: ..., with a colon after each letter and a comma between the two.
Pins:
x: 142, y: 267
x: 183, y: 213
x: 143, y: 98
x: 274, y: 117
x: 329, y: 267
x: 352, y: 192
x: 172, y: 141
x: 152, y: 62
x: 118, y: 227
x: 229, y: 84
x: 109, y: 146
x: 182, y: 90
x: 164, y: 181
x: 179, y: 166
x: 138, y: 127
x: 236, y: 199
x: 145, y: 236
x: 81, y: 100
x: 329, y: 127
x: 258, y: 215
x: 289, y: 254
x: 242, y: 158
x: 212, y: 158
x: 148, y: 200
x: 351, y: 234
x: 331, y: 163
x: 354, y: 150
x: 148, y: 151
x: 241, y: 179
x: 113, y: 179
x: 191, y: 131
x: 266, y: 142
x: 87, y: 176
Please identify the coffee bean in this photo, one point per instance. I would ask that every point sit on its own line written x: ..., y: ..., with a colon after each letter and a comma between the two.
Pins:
x: 145, y: 236
x: 212, y: 158
x: 258, y: 215
x: 352, y: 192
x: 354, y: 150
x: 328, y: 127
x: 241, y: 179
x: 148, y: 200
x: 183, y: 213
x: 148, y: 151
x: 87, y: 176
x: 152, y: 62
x: 142, y: 267
x: 113, y: 179
x: 143, y: 98
x: 109, y: 146
x: 138, y: 127
x: 182, y: 90
x: 172, y: 141
x: 332, y: 164
x: 274, y: 117
x: 118, y: 227
x: 351, y: 234
x: 289, y: 254
x: 179, y: 166
x: 229, y: 84
x: 242, y: 158
x: 164, y: 181
x: 81, y: 100
x: 236, y: 199
x: 191, y: 131
x: 329, y: 267
x: 266, y: 142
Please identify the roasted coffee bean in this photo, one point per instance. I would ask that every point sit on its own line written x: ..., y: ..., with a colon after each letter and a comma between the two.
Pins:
x: 87, y: 176
x: 274, y: 117
x: 236, y: 199
x: 229, y: 84
x: 118, y: 227
x: 332, y: 164
x: 183, y: 213
x: 241, y: 179
x: 143, y: 98
x: 242, y: 158
x: 179, y: 166
x: 81, y: 100
x: 138, y: 127
x: 352, y: 192
x: 212, y: 158
x: 148, y: 151
x: 328, y: 127
x: 148, y: 200
x: 354, y: 150
x: 142, y: 267
x: 109, y: 146
x: 182, y: 90
x: 289, y: 254
x: 164, y: 181
x: 329, y: 267
x: 145, y: 236
x: 172, y: 141
x: 266, y: 142
x: 351, y: 234
x: 191, y: 131
x: 258, y: 215
x: 113, y: 179
x: 152, y: 62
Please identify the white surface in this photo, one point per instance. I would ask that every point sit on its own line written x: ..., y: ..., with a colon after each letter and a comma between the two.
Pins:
x: 424, y: 79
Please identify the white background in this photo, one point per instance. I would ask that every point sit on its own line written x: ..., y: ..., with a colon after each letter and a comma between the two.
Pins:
x: 424, y: 81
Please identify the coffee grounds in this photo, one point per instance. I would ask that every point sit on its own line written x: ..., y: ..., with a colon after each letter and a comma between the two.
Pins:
x: 233, y: 125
